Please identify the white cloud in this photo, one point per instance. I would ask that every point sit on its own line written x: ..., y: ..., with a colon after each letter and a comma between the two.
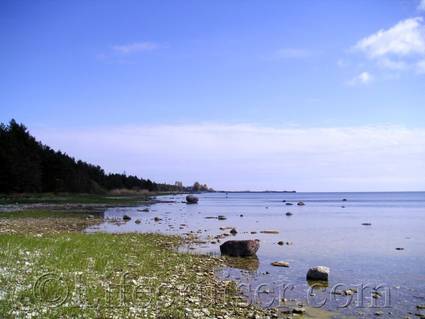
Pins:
x: 255, y: 157
x: 135, y: 47
x: 421, y: 6
x: 392, y: 64
x: 405, y: 38
x: 397, y: 48
x: 292, y: 53
x: 362, y: 78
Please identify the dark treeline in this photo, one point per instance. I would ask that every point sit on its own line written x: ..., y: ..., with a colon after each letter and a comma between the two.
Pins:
x: 26, y: 165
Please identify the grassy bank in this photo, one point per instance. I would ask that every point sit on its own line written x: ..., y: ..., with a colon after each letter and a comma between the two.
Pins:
x: 68, y: 198
x: 50, y: 269
x: 110, y: 276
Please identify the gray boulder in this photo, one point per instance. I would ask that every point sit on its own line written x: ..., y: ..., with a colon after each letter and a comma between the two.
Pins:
x: 240, y: 248
x: 191, y: 199
x: 318, y: 273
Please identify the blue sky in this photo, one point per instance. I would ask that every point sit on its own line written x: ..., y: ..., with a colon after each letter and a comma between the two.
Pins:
x: 275, y: 69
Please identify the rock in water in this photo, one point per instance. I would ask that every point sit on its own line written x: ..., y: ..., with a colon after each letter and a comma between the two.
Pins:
x: 233, y: 231
x: 280, y: 264
x: 126, y: 217
x: 240, y: 248
x: 300, y: 204
x: 318, y: 273
x: 191, y: 199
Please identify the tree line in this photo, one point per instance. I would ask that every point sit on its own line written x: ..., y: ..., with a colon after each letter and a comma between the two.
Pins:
x: 27, y: 165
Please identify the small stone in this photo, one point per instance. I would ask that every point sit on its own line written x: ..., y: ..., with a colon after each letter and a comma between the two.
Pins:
x: 288, y: 214
x: 233, y: 231
x: 126, y: 217
x: 367, y: 224
x: 318, y: 273
x: 300, y: 204
x: 289, y: 204
x: 281, y: 243
x: 379, y: 313
x: 137, y: 221
x: 298, y: 311
x: 269, y: 232
x: 221, y: 217
x: 157, y: 219
x: 280, y: 264
x: 399, y: 248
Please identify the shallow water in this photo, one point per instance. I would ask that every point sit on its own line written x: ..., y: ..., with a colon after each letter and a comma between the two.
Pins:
x: 326, y: 231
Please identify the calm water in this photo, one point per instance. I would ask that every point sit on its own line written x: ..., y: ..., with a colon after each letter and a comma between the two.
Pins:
x: 326, y: 231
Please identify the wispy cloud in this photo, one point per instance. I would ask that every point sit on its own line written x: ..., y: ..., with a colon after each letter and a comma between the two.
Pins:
x: 256, y: 157
x: 292, y: 53
x: 397, y: 48
x: 362, y: 78
x: 135, y: 47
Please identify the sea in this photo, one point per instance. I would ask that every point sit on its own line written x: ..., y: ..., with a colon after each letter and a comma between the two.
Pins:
x: 372, y: 242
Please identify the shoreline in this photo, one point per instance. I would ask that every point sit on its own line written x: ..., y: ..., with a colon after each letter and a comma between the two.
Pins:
x: 41, y: 237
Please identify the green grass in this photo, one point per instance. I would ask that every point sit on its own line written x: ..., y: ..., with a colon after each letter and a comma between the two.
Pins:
x: 44, y: 213
x: 50, y: 198
x: 82, y: 275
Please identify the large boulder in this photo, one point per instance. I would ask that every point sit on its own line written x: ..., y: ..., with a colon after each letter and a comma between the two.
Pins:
x: 240, y: 248
x: 318, y: 273
x: 191, y: 199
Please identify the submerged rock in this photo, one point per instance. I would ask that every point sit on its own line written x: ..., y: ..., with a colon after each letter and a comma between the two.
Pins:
x: 269, y: 232
x: 367, y: 224
x: 289, y: 204
x: 240, y: 248
x: 137, y: 221
x: 192, y: 199
x: 318, y: 273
